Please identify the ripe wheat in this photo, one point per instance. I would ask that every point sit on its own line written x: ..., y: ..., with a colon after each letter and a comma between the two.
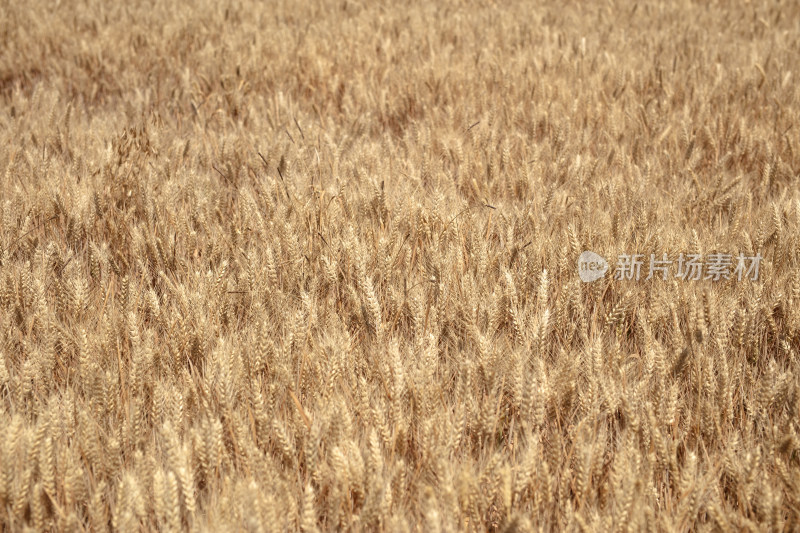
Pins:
x: 313, y: 266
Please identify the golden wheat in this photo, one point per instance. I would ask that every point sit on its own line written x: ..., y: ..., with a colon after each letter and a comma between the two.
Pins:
x: 312, y: 266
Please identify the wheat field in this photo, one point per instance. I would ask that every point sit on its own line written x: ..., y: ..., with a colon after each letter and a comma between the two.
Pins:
x: 313, y: 266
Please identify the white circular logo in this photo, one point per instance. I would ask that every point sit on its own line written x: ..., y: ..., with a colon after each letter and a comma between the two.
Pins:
x: 591, y: 266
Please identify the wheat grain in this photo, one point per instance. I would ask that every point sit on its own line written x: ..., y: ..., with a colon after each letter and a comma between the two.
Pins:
x: 377, y: 324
